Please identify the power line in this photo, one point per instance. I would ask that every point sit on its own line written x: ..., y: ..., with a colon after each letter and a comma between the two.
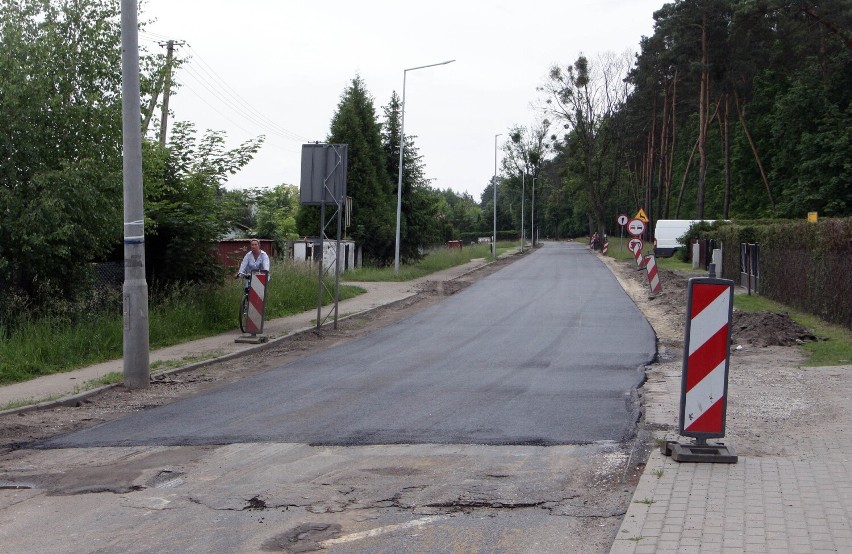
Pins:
x: 207, y: 68
x: 236, y: 123
x: 213, y: 91
x: 220, y: 91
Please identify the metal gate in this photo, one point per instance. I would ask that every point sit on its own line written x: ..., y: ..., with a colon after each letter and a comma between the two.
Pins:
x: 750, y: 267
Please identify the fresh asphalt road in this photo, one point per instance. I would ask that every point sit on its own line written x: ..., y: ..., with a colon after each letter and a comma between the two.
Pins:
x: 546, y: 351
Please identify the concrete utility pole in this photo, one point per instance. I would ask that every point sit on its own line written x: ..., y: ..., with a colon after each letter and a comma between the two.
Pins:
x: 167, y: 86
x: 136, y: 371
x: 149, y: 112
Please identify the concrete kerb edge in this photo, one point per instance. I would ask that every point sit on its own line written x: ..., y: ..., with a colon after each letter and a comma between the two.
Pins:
x: 74, y: 399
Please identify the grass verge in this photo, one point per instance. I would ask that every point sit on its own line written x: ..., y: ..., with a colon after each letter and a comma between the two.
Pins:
x: 184, y: 313
x: 436, y: 260
x: 175, y: 315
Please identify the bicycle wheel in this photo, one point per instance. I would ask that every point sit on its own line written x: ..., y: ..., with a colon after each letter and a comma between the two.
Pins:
x: 244, y: 305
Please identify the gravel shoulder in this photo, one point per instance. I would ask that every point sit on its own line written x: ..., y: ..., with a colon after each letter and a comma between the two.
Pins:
x: 776, y: 405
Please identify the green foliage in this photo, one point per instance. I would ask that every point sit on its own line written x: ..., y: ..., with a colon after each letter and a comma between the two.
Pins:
x: 462, y: 215
x: 60, y: 149
x: 586, y: 97
x: 276, y: 213
x: 803, y: 265
x: 183, y: 211
x: 780, y: 81
x: 696, y: 231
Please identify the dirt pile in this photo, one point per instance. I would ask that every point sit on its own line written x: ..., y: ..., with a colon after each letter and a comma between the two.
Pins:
x: 752, y: 328
x: 768, y: 329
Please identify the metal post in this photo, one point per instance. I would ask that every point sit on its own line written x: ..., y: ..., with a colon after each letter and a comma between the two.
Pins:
x: 399, y: 180
x: 337, y: 259
x: 494, y: 236
x: 135, y: 289
x: 532, y: 215
x: 523, y: 193
x: 401, y: 150
x: 321, y: 256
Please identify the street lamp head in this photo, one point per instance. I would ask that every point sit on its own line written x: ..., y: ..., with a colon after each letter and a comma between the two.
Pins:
x: 430, y: 65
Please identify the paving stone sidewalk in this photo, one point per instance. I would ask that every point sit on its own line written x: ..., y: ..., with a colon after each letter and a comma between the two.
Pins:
x: 799, y: 501
x: 760, y: 504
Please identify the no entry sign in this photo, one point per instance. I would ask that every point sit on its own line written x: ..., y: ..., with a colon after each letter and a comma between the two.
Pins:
x: 634, y: 245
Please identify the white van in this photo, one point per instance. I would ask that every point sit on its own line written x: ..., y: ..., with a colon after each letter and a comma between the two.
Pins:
x: 666, y: 234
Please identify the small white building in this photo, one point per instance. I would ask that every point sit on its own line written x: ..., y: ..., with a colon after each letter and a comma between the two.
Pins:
x: 306, y: 250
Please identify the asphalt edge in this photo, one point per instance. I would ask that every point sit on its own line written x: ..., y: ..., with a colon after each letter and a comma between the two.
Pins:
x: 76, y: 399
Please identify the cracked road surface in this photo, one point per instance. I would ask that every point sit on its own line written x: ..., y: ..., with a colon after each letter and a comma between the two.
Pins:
x: 501, y: 420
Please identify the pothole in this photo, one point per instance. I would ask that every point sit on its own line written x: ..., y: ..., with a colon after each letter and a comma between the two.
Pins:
x: 304, y: 538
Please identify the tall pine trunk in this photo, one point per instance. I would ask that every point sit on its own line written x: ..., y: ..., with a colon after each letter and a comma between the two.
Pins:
x: 703, y: 101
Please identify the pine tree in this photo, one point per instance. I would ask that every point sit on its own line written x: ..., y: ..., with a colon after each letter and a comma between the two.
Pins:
x: 419, y: 225
x: 368, y: 183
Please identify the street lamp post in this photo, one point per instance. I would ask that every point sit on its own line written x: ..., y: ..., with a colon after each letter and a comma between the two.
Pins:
x: 532, y: 216
x: 494, y: 239
x: 401, y: 148
x: 523, y: 193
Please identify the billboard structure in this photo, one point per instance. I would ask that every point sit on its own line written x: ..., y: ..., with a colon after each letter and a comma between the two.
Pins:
x: 323, y: 183
x: 324, y: 168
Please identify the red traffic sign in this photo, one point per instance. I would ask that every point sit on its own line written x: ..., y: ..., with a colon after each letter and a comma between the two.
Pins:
x: 635, y: 245
x: 622, y: 219
x: 636, y: 227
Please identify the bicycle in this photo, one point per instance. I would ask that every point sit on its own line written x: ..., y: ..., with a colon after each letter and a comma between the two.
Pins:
x: 244, y: 303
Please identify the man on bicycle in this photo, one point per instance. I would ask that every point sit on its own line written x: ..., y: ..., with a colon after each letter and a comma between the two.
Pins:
x: 254, y: 260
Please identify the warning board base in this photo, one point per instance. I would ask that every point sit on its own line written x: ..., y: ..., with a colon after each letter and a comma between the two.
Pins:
x: 252, y: 339
x: 707, y: 453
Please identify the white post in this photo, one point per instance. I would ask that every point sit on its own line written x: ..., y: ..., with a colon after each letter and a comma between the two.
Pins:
x: 494, y: 236
x: 401, y: 150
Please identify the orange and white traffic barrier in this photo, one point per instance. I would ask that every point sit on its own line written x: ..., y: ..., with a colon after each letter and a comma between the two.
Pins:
x: 257, y: 303
x: 704, y: 385
x: 653, y: 274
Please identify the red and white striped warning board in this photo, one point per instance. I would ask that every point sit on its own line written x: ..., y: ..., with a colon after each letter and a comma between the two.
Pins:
x: 653, y: 274
x: 704, y: 387
x: 640, y: 259
x: 257, y: 302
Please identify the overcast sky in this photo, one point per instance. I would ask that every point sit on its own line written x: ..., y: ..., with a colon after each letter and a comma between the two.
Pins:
x: 278, y: 68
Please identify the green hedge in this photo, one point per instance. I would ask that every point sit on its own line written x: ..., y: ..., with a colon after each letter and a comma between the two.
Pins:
x: 804, y: 265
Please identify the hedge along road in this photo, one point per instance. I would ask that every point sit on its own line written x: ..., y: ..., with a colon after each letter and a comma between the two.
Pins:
x: 546, y: 351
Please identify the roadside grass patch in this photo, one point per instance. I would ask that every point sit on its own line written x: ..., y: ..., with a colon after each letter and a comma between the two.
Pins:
x: 176, y: 314
x: 436, y: 260
x: 185, y: 312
